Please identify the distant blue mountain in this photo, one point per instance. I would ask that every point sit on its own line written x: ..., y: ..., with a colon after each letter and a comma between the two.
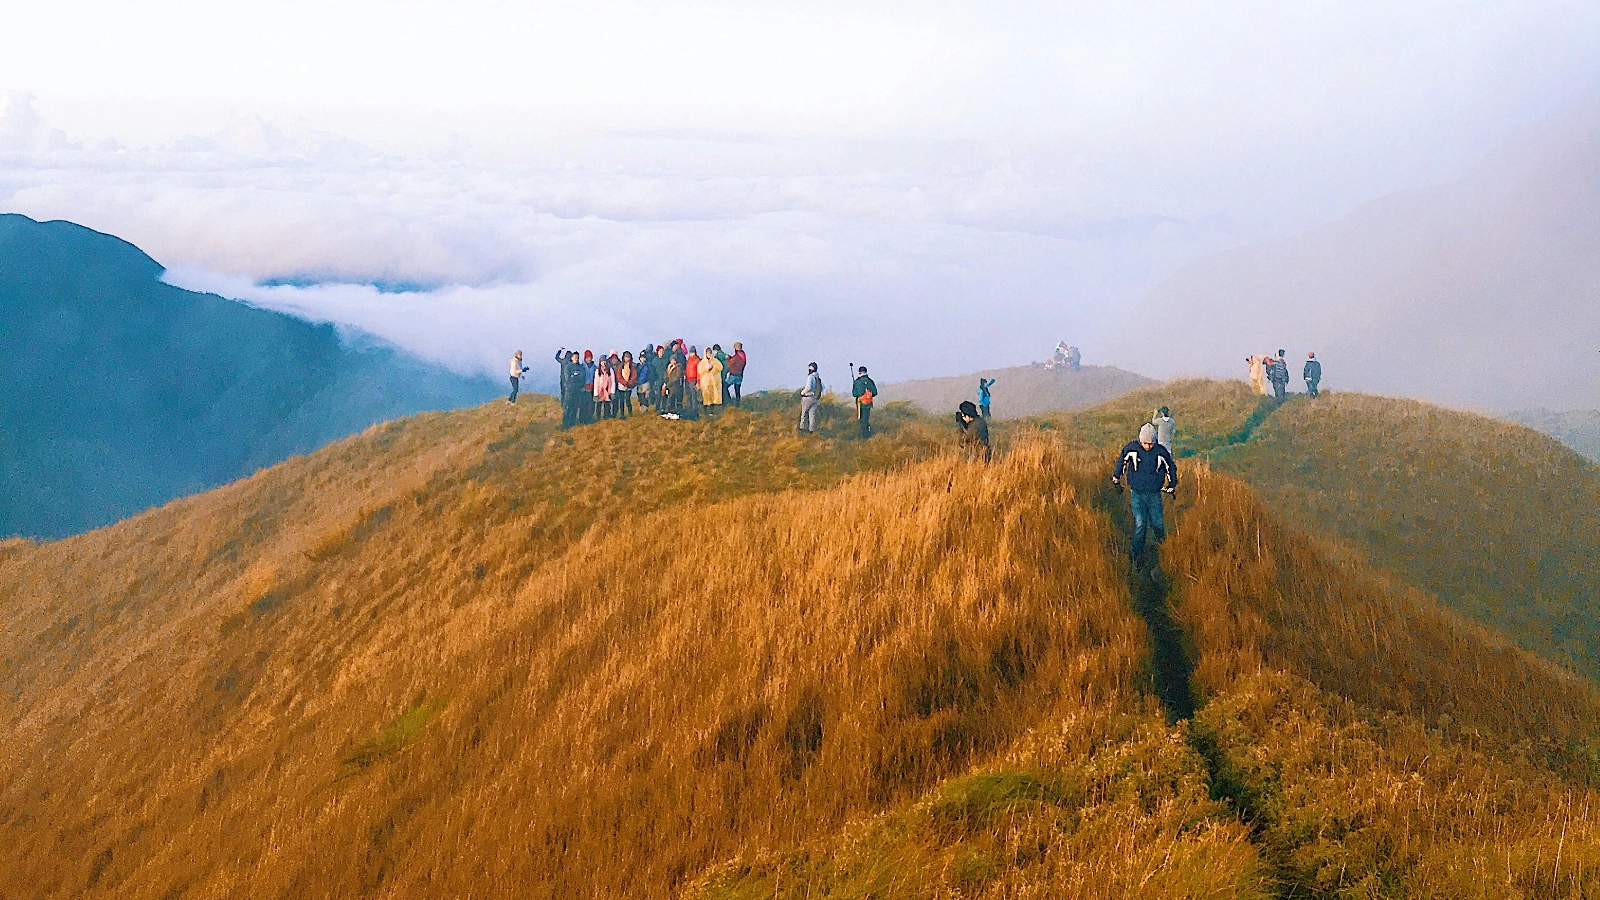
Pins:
x: 119, y: 392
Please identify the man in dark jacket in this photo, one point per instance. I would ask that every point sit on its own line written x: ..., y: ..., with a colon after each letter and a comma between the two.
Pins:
x: 1278, y: 374
x: 1148, y: 470
x: 1312, y: 374
x: 974, y: 433
x: 572, y: 375
x: 865, y: 391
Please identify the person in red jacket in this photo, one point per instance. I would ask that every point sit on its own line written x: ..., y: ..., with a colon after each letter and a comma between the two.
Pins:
x: 627, y: 379
x: 735, y: 374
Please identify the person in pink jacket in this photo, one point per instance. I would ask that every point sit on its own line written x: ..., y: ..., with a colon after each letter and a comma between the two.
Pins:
x: 605, y: 384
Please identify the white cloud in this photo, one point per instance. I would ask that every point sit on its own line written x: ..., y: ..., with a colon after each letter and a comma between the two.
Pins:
x: 934, y: 185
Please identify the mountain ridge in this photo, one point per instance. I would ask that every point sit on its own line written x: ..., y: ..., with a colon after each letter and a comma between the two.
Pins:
x: 124, y: 392
x: 466, y: 652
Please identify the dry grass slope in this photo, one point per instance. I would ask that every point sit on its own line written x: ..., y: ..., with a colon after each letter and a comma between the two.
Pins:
x: 1020, y: 391
x: 468, y: 655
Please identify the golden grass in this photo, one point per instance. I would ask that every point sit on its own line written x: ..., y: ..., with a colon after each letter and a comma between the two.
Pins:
x: 1384, y: 745
x: 468, y: 655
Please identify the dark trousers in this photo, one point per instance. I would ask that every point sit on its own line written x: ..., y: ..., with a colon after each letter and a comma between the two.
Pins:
x: 866, y: 421
x: 586, y: 407
x: 516, y: 384
x: 735, y: 390
x: 625, y: 404
x: 1311, y: 388
x: 984, y: 410
x: 1280, y: 389
x: 570, y: 415
x: 1146, y: 519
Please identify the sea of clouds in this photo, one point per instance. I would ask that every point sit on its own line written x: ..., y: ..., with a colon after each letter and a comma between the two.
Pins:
x: 916, y: 259
x: 922, y: 188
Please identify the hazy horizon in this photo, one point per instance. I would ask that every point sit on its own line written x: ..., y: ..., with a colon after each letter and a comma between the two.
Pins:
x: 928, y: 189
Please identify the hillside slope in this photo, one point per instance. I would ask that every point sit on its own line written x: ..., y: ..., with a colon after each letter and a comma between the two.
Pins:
x: 1500, y: 522
x: 1577, y: 428
x: 1479, y: 293
x: 1021, y: 390
x: 123, y: 392
x: 465, y: 654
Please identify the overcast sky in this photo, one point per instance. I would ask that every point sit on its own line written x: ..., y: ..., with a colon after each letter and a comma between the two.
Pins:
x: 932, y: 186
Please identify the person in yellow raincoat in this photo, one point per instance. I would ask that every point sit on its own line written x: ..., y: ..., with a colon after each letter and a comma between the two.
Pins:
x: 1258, y: 375
x: 711, y: 382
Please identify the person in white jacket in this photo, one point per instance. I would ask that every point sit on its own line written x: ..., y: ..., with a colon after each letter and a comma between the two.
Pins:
x: 1165, y: 428
x: 517, y: 368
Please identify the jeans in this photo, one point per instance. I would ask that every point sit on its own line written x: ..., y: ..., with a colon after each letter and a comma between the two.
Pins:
x: 1311, y: 388
x: 1280, y: 389
x: 866, y: 421
x: 625, y: 404
x: 569, y: 412
x: 983, y: 410
x: 808, y: 414
x: 1146, y: 518
x: 516, y: 383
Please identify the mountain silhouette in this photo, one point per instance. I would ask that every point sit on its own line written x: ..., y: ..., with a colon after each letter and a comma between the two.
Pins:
x: 122, y: 392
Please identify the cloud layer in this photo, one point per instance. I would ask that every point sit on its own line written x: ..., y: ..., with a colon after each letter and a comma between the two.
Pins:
x: 927, y: 187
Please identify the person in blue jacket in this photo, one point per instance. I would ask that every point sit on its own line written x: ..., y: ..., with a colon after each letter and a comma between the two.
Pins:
x: 1148, y: 470
x: 984, y: 384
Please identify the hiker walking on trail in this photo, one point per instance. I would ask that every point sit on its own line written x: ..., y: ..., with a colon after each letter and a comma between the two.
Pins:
x: 572, y: 375
x: 735, y: 378
x: 517, y: 368
x: 1148, y: 470
x: 1165, y: 428
x: 810, y: 401
x: 1312, y: 374
x: 864, y: 390
x: 1278, y: 374
x: 984, y: 384
x: 974, y: 433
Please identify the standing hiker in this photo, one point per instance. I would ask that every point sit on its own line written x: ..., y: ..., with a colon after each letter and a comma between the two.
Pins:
x: 1165, y: 428
x: 672, y: 387
x: 586, y: 412
x: 1258, y: 374
x: 984, y: 384
x: 711, y: 382
x: 974, y: 433
x: 517, y: 368
x: 627, y: 380
x: 736, y: 364
x: 810, y: 399
x: 605, y: 385
x: 1149, y: 470
x: 1312, y: 374
x: 864, y: 390
x: 1074, y: 359
x: 572, y: 375
x: 691, y: 383
x: 1278, y: 374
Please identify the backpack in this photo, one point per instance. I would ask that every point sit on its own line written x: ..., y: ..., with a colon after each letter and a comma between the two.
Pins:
x: 866, y: 398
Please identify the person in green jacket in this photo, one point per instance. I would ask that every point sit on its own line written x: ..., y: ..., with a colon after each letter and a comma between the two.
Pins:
x: 865, y: 391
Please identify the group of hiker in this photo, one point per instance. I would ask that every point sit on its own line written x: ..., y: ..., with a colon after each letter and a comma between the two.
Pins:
x: 1269, y: 375
x: 675, y: 379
